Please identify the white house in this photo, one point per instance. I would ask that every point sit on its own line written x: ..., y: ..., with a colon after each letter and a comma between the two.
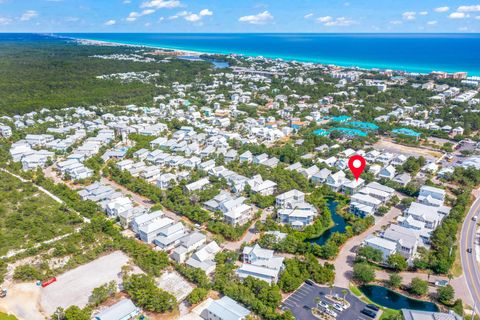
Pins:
x: 204, y: 257
x: 261, y: 264
x: 387, y: 172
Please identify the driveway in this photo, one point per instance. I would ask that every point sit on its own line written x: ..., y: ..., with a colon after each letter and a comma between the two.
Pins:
x: 344, y: 261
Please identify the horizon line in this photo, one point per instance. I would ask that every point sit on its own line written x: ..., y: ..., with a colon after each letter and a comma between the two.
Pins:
x: 233, y: 32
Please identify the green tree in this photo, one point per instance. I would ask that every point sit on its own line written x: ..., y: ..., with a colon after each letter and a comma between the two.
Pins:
x: 75, y: 313
x: 197, y: 295
x: 145, y: 293
x: 394, y: 280
x: 370, y: 254
x: 363, y: 272
x: 418, y: 286
x: 397, y: 262
x: 102, y: 293
x: 445, y: 294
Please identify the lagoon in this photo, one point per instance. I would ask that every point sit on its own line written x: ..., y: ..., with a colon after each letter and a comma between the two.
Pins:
x: 338, y: 220
x: 393, y: 300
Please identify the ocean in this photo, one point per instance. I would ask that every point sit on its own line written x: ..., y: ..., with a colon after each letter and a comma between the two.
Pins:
x: 406, y: 52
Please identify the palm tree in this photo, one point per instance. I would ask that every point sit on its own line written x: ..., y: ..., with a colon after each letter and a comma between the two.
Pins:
x: 450, y: 277
x: 330, y: 285
x: 344, y: 292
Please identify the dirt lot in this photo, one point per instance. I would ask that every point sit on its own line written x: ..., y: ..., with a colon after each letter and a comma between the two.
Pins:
x: 175, y: 284
x: 22, y: 301
x: 75, y: 286
x: 389, y: 146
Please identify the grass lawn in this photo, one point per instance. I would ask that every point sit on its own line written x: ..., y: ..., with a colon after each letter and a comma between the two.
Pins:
x: 457, y: 264
x: 387, y: 313
x: 28, y: 216
x: 4, y: 316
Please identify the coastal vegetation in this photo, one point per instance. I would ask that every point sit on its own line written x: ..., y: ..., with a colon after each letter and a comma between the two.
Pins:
x: 25, y: 223
x: 58, y: 73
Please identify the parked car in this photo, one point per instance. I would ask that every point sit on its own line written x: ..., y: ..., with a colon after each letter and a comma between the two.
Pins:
x: 373, y: 307
x: 441, y: 283
x: 309, y: 282
x: 474, y: 218
x: 323, y: 304
x: 331, y: 312
x: 369, y: 313
x: 469, y: 250
x: 337, y: 307
x: 306, y: 307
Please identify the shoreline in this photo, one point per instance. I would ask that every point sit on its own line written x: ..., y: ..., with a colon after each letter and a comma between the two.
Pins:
x: 363, y: 66
x: 90, y: 42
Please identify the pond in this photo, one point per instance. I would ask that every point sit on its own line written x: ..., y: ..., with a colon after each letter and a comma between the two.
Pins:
x: 340, y: 225
x: 393, y: 300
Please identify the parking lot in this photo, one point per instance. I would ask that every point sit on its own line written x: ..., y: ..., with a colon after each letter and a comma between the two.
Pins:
x: 74, y: 287
x: 307, y: 294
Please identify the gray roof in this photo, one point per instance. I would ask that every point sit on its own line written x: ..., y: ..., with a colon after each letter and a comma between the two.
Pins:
x: 193, y: 238
x: 228, y: 309
x: 427, y: 315
x: 119, y: 310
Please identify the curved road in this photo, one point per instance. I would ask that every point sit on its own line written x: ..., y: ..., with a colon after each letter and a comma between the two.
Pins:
x: 470, y: 264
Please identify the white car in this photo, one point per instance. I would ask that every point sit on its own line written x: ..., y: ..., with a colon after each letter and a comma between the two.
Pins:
x: 323, y: 304
x: 331, y: 312
x: 337, y: 307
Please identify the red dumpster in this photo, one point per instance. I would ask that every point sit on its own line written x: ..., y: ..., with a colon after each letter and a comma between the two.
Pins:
x: 49, y: 281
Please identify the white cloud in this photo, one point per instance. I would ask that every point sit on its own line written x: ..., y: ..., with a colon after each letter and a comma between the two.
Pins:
x: 110, y: 22
x: 409, y: 15
x: 147, y: 12
x: 423, y: 13
x: 193, y: 17
x: 442, y: 9
x: 261, y: 18
x: 5, y: 21
x: 309, y: 15
x: 329, y: 21
x: 396, y: 22
x: 463, y: 29
x: 161, y: 4
x: 180, y: 14
x: 474, y: 8
x: 477, y: 17
x: 135, y: 15
x: 206, y: 12
x: 28, y: 15
x: 127, y: 1
x: 340, y: 22
x: 324, y: 19
x: 190, y: 16
x: 457, y: 15
x: 432, y: 23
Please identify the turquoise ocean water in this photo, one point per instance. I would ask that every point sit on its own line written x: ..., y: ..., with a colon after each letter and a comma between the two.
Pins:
x: 406, y: 52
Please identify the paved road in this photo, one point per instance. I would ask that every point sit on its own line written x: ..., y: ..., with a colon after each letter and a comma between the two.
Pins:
x: 468, y: 239
x: 344, y: 261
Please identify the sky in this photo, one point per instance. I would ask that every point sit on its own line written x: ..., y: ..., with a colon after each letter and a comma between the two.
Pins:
x: 239, y: 16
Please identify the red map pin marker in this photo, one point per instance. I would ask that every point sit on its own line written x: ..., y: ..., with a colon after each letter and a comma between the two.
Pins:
x: 356, y: 164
